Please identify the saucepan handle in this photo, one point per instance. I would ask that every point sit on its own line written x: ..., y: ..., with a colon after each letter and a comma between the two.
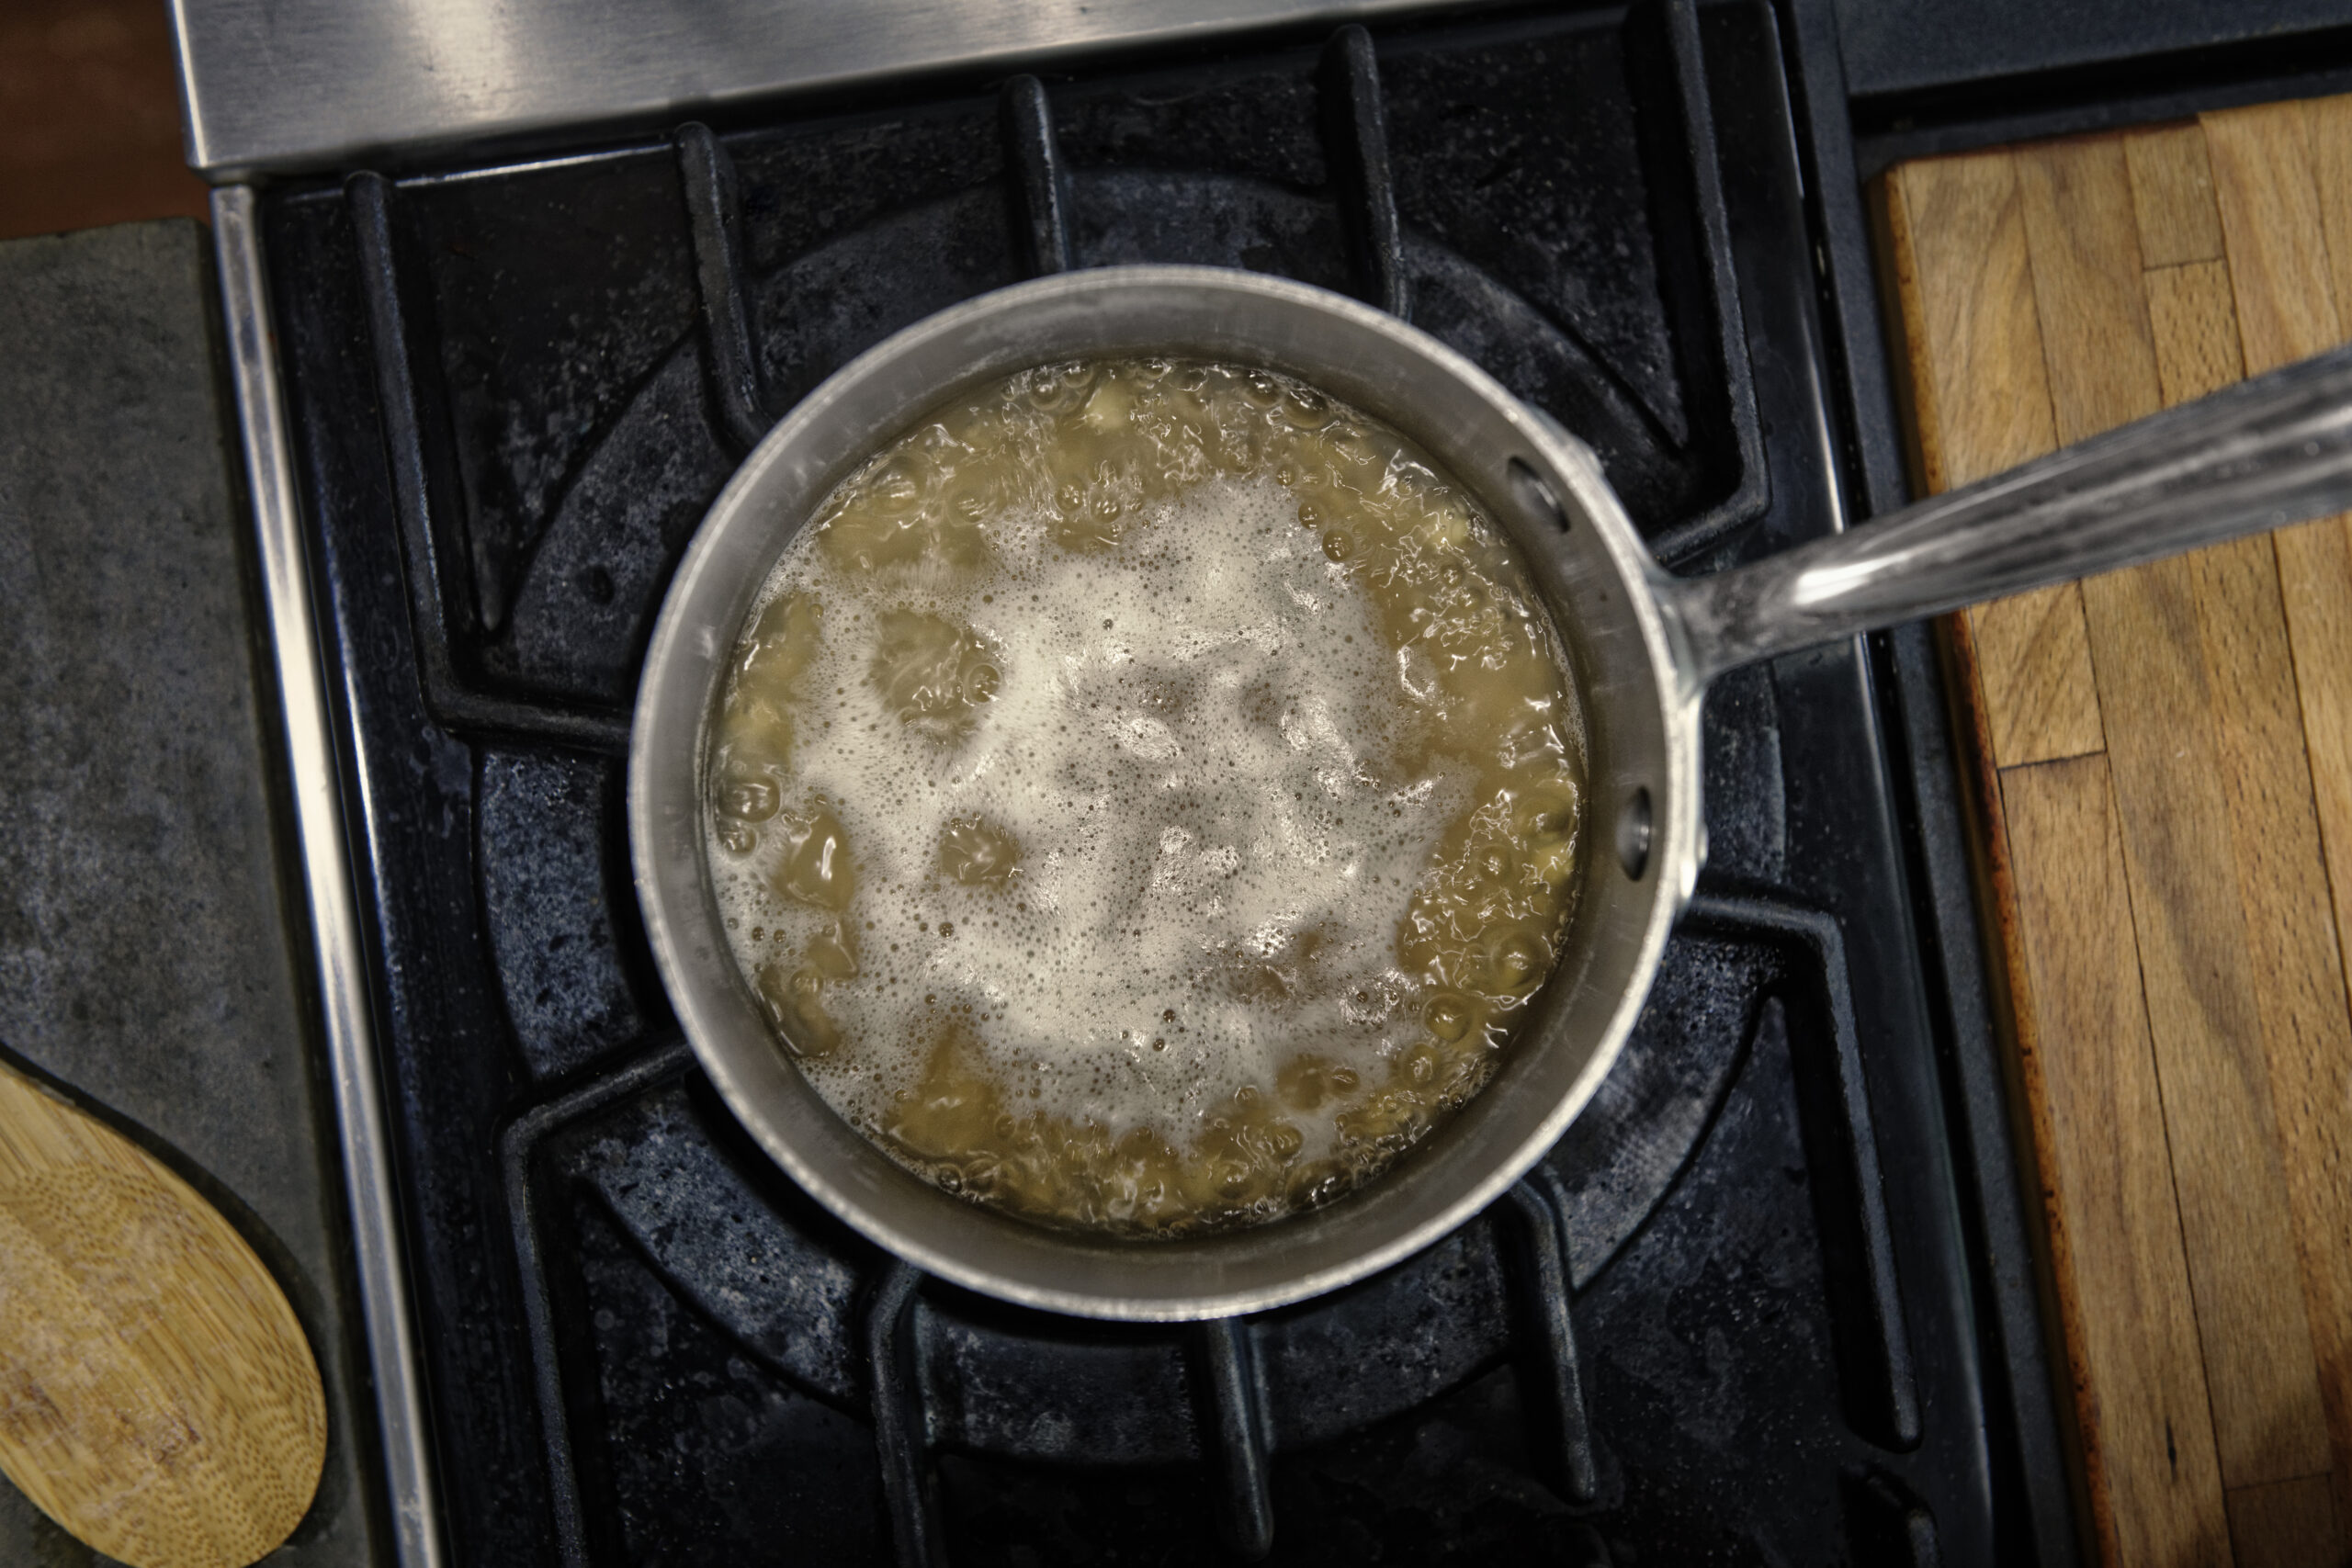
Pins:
x: 2267, y: 452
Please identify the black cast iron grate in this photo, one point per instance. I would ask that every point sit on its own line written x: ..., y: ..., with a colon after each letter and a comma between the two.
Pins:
x: 516, y: 388
x: 1205, y: 1394
x: 1702, y: 447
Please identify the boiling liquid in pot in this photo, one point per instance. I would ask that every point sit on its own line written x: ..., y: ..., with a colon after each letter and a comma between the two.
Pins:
x: 1146, y: 797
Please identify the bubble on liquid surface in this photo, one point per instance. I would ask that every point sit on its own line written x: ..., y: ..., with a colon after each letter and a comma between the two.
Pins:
x: 1146, y: 797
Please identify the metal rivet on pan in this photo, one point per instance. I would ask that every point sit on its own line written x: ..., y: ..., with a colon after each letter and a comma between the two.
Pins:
x: 1534, y: 493
x: 1634, y: 834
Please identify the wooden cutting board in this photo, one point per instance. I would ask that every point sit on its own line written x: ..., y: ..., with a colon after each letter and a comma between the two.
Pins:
x: 2163, y: 794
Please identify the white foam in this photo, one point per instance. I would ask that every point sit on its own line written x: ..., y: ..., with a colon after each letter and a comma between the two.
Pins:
x: 1191, y: 741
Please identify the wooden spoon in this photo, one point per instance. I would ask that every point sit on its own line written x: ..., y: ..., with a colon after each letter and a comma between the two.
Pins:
x: 157, y: 1397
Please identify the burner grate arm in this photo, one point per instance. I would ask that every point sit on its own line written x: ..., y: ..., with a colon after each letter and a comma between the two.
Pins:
x: 456, y: 705
x: 1230, y: 1405
x: 1040, y: 183
x: 1551, y: 1374
x: 1886, y: 1406
x: 707, y: 174
x: 1355, y: 136
x: 516, y: 1146
x: 899, y: 1435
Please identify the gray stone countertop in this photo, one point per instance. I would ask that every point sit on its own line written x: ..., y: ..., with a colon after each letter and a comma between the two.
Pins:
x: 153, y: 953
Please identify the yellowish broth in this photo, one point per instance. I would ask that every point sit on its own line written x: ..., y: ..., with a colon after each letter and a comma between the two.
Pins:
x: 899, y: 901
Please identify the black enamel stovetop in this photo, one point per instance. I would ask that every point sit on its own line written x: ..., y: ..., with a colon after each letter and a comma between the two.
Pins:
x: 1733, y: 1318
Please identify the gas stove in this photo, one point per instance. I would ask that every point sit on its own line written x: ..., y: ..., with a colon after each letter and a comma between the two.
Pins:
x: 1751, y: 1309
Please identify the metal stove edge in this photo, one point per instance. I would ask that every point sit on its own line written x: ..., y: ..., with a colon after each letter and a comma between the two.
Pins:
x: 316, y: 788
x: 307, y: 85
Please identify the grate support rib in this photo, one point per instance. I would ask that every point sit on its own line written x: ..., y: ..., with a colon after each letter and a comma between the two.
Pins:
x: 899, y: 1435
x: 516, y: 1146
x: 1663, y: 37
x: 1884, y: 1395
x: 707, y: 174
x: 1231, y: 1403
x: 1040, y: 183
x: 1355, y: 139
x: 1551, y: 1374
x: 455, y: 704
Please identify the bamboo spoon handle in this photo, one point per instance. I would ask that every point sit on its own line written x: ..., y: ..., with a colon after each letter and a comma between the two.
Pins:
x: 157, y: 1397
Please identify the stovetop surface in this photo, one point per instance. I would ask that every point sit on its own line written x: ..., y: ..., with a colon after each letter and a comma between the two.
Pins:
x: 1732, y: 1317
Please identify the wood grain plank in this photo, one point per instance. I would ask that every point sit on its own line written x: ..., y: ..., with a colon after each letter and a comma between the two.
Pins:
x: 2315, y: 569
x: 2171, y: 195
x: 2199, y: 969
x: 2297, y: 970
x: 2035, y: 661
x: 2165, y: 758
x: 1980, y: 339
x: 2194, y: 322
x: 2154, y: 1477
x: 2283, y: 874
x: 2281, y: 197
x: 2264, y: 188
x: 2327, y: 128
x: 2286, y: 1524
x: 1983, y: 399
x: 2083, y: 252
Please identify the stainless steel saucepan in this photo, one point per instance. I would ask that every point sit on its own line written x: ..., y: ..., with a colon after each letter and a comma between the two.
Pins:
x: 1642, y: 647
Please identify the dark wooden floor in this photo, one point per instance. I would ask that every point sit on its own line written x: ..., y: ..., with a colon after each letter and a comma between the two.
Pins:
x: 89, y: 117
